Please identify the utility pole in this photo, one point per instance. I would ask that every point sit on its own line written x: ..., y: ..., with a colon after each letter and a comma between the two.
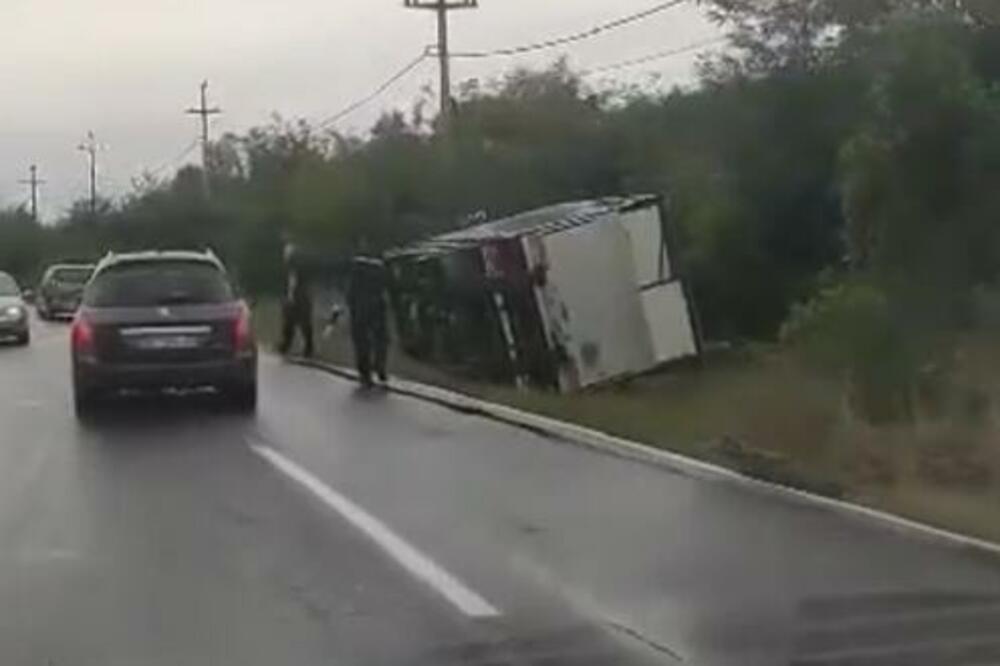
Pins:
x: 91, y: 147
x: 34, y: 182
x: 442, y: 7
x: 205, y: 112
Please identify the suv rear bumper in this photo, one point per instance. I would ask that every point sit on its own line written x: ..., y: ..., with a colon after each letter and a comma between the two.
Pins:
x: 59, y: 310
x: 59, y: 304
x: 92, y: 375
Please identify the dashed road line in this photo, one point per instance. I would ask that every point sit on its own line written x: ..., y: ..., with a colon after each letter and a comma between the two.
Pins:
x: 28, y: 403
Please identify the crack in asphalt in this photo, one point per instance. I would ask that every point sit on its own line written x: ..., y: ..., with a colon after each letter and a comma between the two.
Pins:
x: 648, y: 642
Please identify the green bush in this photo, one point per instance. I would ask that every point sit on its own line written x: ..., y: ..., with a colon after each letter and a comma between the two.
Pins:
x: 850, y: 330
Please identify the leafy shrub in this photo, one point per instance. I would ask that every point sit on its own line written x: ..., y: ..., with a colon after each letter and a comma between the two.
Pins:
x: 849, y: 330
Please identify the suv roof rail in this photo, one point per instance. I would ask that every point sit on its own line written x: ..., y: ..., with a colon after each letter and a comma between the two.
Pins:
x: 108, y: 256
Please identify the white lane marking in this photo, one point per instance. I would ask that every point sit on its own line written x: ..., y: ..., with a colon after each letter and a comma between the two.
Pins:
x: 27, y: 403
x: 411, y: 559
x: 50, y: 555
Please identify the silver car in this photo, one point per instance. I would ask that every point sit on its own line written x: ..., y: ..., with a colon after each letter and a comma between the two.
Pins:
x: 13, y: 312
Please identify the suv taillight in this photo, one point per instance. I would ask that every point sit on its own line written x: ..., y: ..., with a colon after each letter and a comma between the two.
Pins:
x: 82, y: 334
x: 242, y: 330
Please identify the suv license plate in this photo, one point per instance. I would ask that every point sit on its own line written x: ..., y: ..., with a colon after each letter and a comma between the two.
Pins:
x: 167, y: 342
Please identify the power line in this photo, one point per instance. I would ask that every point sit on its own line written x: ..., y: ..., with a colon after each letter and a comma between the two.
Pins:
x: 653, y: 57
x: 174, y: 161
x: 570, y: 39
x: 354, y: 106
x: 430, y: 51
x: 433, y: 51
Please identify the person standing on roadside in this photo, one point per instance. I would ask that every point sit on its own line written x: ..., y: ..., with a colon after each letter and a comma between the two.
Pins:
x: 366, y: 301
x: 297, y: 305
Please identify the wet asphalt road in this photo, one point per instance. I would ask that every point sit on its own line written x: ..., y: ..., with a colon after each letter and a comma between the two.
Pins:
x: 159, y: 535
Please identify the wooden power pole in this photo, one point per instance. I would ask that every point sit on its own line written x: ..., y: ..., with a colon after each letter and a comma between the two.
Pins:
x: 205, y: 112
x: 90, y: 146
x: 33, y: 182
x: 442, y: 7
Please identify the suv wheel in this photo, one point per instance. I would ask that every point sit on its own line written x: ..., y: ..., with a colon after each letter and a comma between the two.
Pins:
x: 243, y: 398
x: 84, y: 402
x: 24, y: 339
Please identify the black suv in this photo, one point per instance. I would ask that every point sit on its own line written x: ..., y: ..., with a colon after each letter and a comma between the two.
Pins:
x: 159, y: 320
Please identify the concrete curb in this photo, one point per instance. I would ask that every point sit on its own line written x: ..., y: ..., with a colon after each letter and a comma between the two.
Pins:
x: 671, y: 462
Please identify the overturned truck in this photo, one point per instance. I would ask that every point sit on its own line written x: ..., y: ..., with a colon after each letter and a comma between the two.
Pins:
x: 566, y: 297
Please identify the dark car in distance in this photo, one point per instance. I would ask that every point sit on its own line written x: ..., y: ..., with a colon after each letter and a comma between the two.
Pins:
x: 14, y: 324
x: 61, y: 289
x: 162, y: 320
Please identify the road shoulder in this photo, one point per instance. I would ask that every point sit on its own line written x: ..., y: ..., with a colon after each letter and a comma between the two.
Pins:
x: 675, y: 463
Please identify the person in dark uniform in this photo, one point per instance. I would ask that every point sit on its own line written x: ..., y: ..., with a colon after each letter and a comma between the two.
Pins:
x: 366, y: 301
x: 297, y: 309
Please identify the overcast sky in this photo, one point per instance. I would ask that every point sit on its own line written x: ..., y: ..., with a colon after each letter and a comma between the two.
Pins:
x: 128, y: 68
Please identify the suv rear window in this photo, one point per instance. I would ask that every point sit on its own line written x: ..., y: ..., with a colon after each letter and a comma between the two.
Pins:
x: 71, y: 275
x: 154, y: 283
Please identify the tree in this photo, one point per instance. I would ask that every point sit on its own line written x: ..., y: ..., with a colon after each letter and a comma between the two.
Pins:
x: 771, y: 36
x: 919, y: 176
x: 22, y: 244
